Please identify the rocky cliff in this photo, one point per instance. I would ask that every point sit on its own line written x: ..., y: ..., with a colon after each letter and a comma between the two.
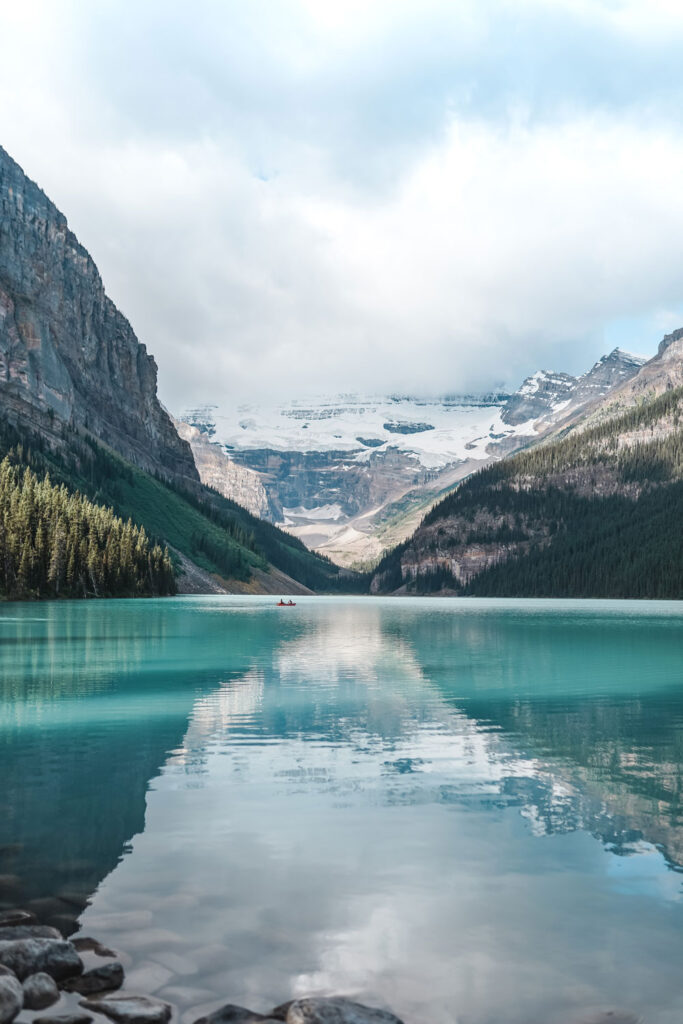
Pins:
x: 223, y: 474
x: 68, y: 357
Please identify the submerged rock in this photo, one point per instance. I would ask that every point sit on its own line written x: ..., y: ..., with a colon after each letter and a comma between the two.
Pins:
x: 59, y: 959
x: 231, y: 1014
x: 29, y: 931
x: 336, y: 1011
x: 84, y: 944
x: 11, y: 998
x: 40, y: 991
x: 11, y: 918
x: 130, y: 1009
x: 149, y: 977
x: 65, y: 1018
x: 99, y: 979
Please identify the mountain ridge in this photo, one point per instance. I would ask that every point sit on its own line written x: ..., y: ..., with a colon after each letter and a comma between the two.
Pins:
x: 586, y: 512
x: 348, y: 474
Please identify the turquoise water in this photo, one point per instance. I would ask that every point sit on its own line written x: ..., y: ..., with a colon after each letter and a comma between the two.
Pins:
x: 468, y: 810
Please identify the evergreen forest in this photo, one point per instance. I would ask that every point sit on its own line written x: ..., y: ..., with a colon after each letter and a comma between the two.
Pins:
x: 54, y: 543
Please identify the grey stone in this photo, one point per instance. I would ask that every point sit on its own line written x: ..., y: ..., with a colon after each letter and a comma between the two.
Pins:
x: 84, y: 944
x: 59, y: 959
x: 29, y: 931
x: 129, y: 1009
x: 10, y: 918
x: 66, y: 923
x: 40, y: 991
x: 11, y: 998
x: 100, y: 979
x: 336, y: 1011
x: 231, y: 1014
x: 65, y: 1018
x: 47, y: 906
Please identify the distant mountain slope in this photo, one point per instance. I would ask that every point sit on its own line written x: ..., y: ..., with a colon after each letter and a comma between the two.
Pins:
x: 351, y: 475
x: 67, y: 355
x: 595, y: 513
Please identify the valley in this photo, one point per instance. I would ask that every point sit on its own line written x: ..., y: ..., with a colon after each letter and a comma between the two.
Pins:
x: 352, y: 475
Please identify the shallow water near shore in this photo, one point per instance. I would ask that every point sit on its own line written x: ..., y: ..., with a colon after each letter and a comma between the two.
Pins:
x: 469, y: 811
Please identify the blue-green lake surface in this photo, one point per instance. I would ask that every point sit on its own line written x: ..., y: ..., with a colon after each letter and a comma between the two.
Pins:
x: 470, y: 811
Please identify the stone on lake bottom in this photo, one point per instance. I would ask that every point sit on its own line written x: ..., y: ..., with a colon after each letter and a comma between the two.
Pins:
x: 11, y: 998
x: 130, y: 1009
x: 100, y: 979
x: 40, y: 991
x: 336, y: 1011
x: 84, y: 944
x: 231, y: 1014
x: 29, y: 931
x: 149, y: 977
x: 65, y: 1018
x: 59, y: 959
x: 11, y: 918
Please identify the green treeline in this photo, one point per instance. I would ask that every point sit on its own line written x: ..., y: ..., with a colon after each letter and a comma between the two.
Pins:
x: 54, y: 543
x: 604, y: 547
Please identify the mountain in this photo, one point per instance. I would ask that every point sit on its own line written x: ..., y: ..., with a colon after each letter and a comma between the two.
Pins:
x: 67, y: 355
x: 78, y: 401
x: 592, y: 511
x: 351, y: 475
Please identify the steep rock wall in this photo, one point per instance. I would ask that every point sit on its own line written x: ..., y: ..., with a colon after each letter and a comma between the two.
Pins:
x: 67, y: 355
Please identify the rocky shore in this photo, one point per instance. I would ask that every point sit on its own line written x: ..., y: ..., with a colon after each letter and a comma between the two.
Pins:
x: 80, y: 981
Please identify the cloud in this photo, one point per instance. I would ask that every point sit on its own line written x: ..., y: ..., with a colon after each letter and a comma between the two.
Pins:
x: 286, y: 196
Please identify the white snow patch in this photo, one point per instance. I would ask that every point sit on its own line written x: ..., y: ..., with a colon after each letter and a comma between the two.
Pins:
x: 463, y: 427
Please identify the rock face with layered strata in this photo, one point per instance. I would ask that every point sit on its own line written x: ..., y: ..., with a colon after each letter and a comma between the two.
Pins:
x: 67, y: 355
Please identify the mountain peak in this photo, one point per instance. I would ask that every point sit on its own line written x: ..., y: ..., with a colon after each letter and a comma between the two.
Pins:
x: 669, y: 339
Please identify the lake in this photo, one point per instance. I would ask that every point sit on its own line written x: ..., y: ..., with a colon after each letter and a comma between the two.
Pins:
x: 467, y: 810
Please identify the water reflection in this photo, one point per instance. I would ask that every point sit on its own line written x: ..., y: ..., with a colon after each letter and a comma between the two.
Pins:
x: 399, y: 800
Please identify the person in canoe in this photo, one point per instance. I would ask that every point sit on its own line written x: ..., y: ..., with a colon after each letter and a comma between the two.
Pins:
x: 286, y: 604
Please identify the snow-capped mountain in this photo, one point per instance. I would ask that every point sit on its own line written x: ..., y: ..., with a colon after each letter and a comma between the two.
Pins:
x: 353, y: 474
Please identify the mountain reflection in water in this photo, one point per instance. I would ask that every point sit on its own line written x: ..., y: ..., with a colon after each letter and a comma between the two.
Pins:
x: 394, y: 799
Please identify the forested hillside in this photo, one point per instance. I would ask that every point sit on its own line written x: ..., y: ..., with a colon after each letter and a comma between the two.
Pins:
x: 596, y: 513
x: 59, y: 544
x: 214, y: 533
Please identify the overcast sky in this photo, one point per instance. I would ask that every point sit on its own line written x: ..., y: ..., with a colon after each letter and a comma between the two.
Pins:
x: 431, y: 195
